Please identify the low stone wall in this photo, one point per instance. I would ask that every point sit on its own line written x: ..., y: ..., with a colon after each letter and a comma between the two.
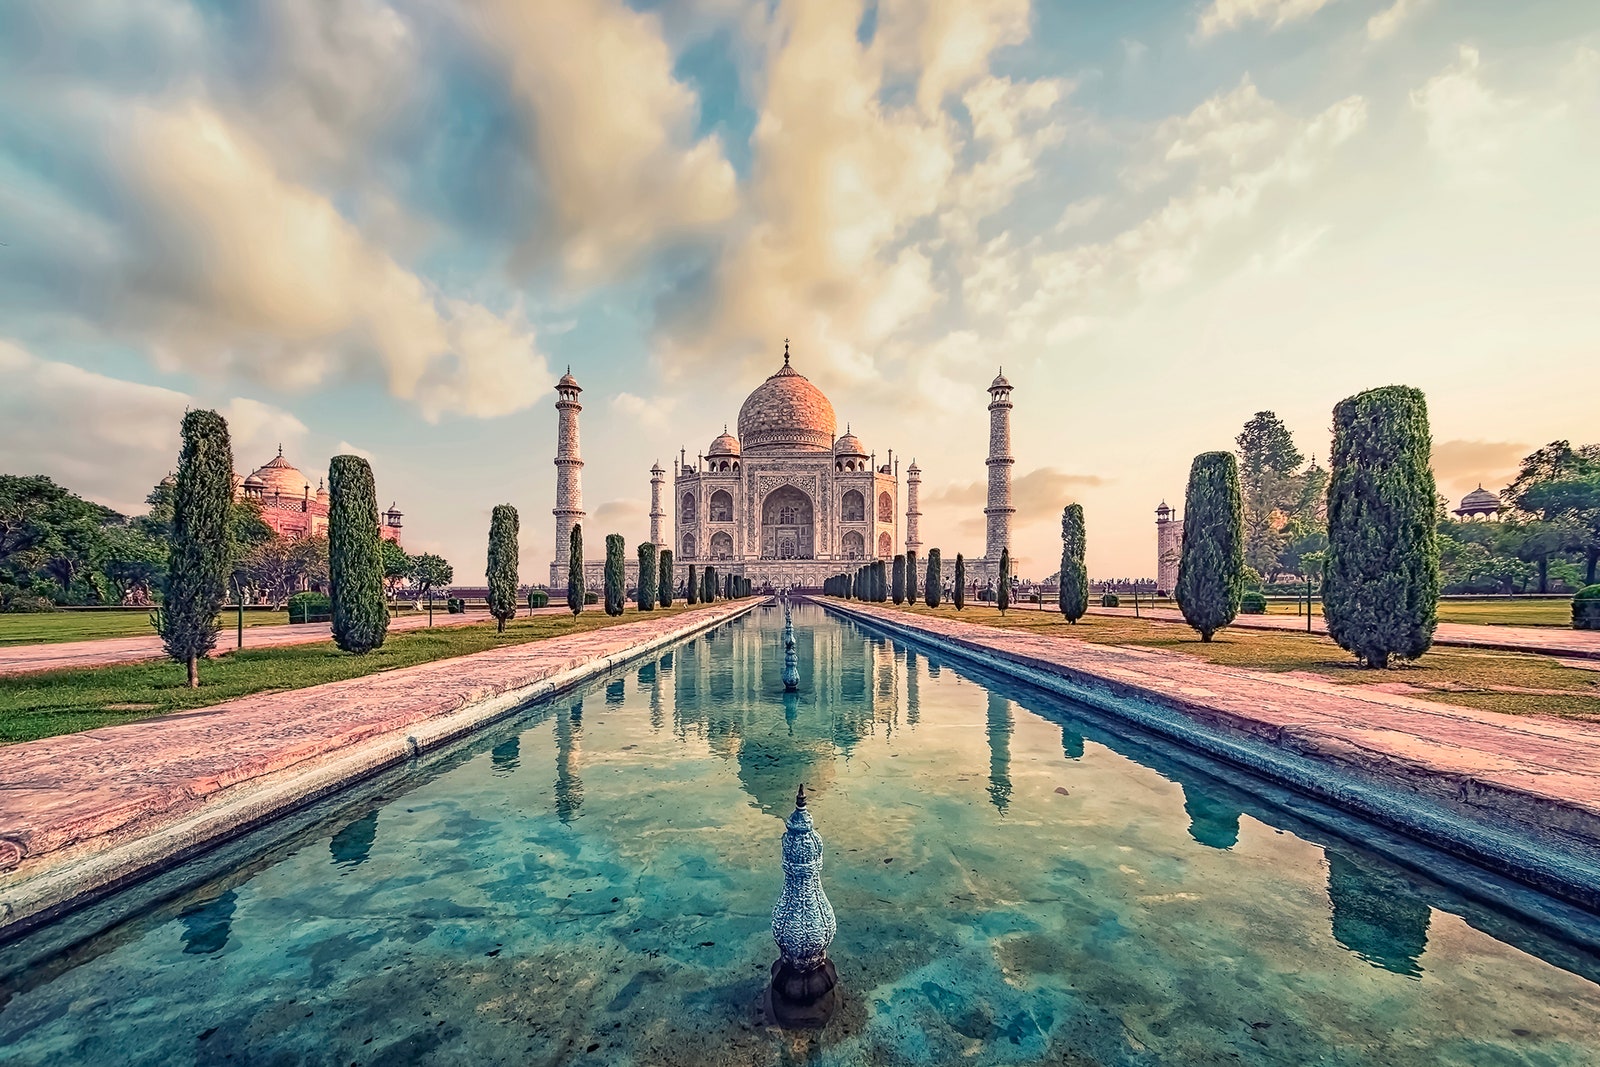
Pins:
x: 84, y: 814
x: 1517, y: 795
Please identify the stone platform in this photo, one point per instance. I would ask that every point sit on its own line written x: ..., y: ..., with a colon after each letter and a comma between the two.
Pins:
x: 84, y: 813
x: 1519, y: 795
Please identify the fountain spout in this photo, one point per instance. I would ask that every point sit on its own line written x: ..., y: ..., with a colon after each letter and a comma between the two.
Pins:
x: 791, y: 667
x: 805, y: 986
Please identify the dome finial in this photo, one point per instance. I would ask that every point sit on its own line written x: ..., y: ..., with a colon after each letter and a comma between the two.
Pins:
x: 800, y: 797
x: 280, y: 449
x: 785, y: 351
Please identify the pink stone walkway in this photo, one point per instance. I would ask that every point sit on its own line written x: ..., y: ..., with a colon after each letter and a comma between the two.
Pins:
x: 1546, y: 640
x: 102, y: 652
x: 67, y: 803
x: 1505, y: 769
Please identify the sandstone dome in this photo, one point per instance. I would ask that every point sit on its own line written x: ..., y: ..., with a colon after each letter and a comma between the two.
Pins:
x: 281, y: 477
x: 849, y: 445
x: 786, y: 413
x: 724, y: 444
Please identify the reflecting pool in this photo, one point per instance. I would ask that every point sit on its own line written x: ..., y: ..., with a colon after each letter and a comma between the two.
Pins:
x: 1014, y: 882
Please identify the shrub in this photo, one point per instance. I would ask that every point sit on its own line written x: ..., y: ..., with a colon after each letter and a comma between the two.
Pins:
x: 355, y: 560
x: 455, y: 605
x: 1586, y: 608
x: 1073, y: 598
x: 616, y: 575
x: 1253, y: 603
x: 1110, y: 600
x: 309, y: 607
x: 1380, y: 587
x: 1211, y: 568
x: 502, y: 569
x: 25, y: 604
x: 538, y: 598
x: 958, y: 594
x: 590, y: 598
x: 202, y: 541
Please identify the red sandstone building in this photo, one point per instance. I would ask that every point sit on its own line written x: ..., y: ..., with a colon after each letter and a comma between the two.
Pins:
x: 291, y: 507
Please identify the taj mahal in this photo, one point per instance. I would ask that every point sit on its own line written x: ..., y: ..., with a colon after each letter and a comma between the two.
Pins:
x: 787, y: 501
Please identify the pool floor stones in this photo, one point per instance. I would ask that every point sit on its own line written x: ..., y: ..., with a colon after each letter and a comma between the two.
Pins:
x: 82, y: 814
x: 1519, y: 795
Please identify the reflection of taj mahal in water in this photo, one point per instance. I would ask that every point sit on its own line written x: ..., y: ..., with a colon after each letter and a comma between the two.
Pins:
x: 787, y: 502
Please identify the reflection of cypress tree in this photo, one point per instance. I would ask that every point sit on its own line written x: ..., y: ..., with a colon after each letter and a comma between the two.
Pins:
x: 1376, y: 915
x: 1071, y: 743
x: 999, y: 752
x: 913, y: 705
x: 506, y: 756
x: 351, y: 845
x: 615, y: 693
x: 206, y: 926
x: 569, y: 786
x: 1212, y: 820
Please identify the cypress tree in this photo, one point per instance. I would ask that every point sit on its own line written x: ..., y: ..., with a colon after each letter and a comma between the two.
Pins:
x: 355, y: 562
x: 1211, y: 568
x: 1380, y: 589
x: 899, y: 589
x: 202, y: 542
x: 880, y: 581
x: 911, y: 577
x: 960, y: 594
x: 1003, y: 593
x: 1073, y: 597
x: 616, y: 575
x: 691, y: 588
x: 647, y: 577
x: 575, y: 571
x: 502, y: 571
x: 727, y: 587
x: 664, y: 579
x: 708, y: 592
x: 935, y: 583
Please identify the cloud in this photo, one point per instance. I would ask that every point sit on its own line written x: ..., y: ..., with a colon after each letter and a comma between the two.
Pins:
x: 109, y: 439
x: 646, y: 411
x: 1383, y: 24
x: 1031, y: 493
x: 614, y: 128
x: 627, y: 517
x: 1230, y: 14
x: 345, y: 448
x: 1493, y: 463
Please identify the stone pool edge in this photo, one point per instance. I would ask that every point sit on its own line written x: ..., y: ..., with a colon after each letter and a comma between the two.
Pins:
x: 90, y: 871
x: 1558, y: 864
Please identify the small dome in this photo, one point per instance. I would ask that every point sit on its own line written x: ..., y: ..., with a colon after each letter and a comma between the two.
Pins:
x: 999, y: 382
x: 278, y: 475
x: 1479, y: 499
x: 849, y: 445
x: 569, y: 382
x: 322, y: 491
x: 724, y: 444
x: 254, y: 482
x: 786, y: 413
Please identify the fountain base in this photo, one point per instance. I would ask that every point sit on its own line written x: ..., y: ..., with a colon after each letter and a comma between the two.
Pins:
x: 802, y: 999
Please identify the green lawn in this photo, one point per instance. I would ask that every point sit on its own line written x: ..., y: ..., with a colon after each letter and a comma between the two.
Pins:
x: 1488, y: 611
x: 1509, y: 682
x: 61, y: 702
x: 55, y: 626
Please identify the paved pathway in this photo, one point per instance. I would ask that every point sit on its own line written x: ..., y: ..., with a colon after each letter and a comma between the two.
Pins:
x: 1534, y: 774
x: 1549, y: 640
x: 70, y: 800
x: 26, y: 659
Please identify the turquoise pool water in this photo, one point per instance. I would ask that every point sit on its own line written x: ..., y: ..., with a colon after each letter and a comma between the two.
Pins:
x: 1015, y: 883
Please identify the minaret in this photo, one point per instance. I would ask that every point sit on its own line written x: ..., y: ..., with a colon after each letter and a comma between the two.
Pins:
x: 656, y: 514
x: 1169, y: 549
x: 569, y: 475
x: 913, y: 512
x: 999, y: 510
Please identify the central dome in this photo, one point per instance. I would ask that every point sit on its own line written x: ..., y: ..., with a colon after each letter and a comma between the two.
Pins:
x: 786, y: 413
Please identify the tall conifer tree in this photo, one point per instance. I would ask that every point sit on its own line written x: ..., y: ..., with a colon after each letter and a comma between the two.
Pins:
x: 502, y: 570
x: 959, y: 593
x: 1003, y: 592
x: 899, y: 588
x: 355, y: 562
x: 647, y: 577
x: 1211, y: 568
x: 1073, y: 597
x: 1380, y: 589
x: 935, y: 582
x: 691, y: 587
x: 664, y: 579
x: 911, y: 577
x: 616, y: 575
x: 202, y: 542
x: 575, y: 571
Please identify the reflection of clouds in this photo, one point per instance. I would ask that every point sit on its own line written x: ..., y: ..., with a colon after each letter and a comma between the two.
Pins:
x: 1377, y: 915
x: 999, y: 731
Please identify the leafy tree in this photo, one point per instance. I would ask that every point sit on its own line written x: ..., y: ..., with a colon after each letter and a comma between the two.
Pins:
x: 1571, y: 504
x: 1073, y: 597
x: 52, y: 541
x: 202, y: 544
x: 959, y: 594
x: 429, y: 573
x: 247, y: 526
x: 397, y: 566
x: 911, y: 577
x: 691, y: 588
x: 898, y: 589
x: 647, y: 577
x: 269, y: 568
x: 1380, y: 592
x: 664, y: 578
x: 502, y: 568
x: 935, y: 582
x: 575, y: 589
x: 355, y: 563
x: 1003, y: 586
x: 616, y: 574
x: 132, y: 562
x: 1211, y: 570
x: 1269, y: 488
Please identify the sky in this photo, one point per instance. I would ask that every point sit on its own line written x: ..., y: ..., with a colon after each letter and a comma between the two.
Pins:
x: 387, y: 226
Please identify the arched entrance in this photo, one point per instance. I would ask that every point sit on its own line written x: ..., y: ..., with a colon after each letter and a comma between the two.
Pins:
x: 885, y: 545
x: 688, y: 546
x: 721, y: 546
x: 853, y: 544
x: 787, y: 525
